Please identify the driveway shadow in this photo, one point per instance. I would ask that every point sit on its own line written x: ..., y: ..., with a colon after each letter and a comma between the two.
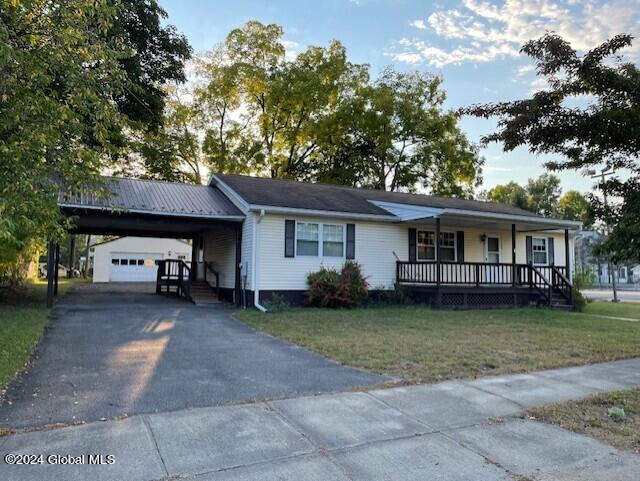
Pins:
x: 116, y: 350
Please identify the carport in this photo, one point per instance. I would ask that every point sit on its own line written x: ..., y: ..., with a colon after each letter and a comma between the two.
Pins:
x: 145, y: 208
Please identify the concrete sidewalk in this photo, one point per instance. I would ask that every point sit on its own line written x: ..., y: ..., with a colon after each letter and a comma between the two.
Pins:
x: 447, y: 431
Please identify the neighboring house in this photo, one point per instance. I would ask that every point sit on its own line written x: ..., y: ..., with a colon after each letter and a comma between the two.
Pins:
x: 134, y: 259
x: 586, y: 260
x: 256, y: 237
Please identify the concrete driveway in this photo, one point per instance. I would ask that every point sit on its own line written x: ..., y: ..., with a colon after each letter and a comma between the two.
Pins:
x: 624, y: 295
x: 113, y: 350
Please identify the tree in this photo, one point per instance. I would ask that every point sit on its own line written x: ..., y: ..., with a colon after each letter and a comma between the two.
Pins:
x: 511, y: 193
x: 574, y: 206
x: 58, y: 79
x: 590, y: 115
x: 543, y: 194
x: 318, y: 117
x: 158, y: 56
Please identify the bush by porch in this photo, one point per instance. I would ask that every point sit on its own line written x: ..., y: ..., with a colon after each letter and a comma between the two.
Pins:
x: 418, y: 344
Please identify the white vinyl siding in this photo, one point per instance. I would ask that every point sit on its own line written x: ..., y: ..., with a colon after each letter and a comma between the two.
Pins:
x: 375, y: 246
x: 220, y: 252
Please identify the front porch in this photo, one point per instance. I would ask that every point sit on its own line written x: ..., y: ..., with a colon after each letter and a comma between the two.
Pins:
x: 446, y: 279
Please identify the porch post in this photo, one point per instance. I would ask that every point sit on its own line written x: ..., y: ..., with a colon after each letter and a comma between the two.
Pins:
x: 195, y: 244
x: 72, y: 248
x: 437, y: 240
x: 567, y: 260
x: 50, y: 262
x: 513, y: 255
x: 55, y: 271
x: 238, y: 284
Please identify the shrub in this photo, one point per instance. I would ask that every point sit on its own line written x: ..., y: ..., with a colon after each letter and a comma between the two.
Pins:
x: 277, y: 303
x: 617, y: 414
x: 330, y: 288
x: 584, y: 279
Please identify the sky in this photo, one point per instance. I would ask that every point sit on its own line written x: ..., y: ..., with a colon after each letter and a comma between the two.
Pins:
x: 473, y: 44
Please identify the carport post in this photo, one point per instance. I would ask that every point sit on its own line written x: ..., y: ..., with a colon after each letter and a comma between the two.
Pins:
x: 72, y: 248
x: 567, y: 257
x: 438, y: 263
x: 56, y: 269
x: 50, y: 262
x: 513, y: 255
x: 238, y: 283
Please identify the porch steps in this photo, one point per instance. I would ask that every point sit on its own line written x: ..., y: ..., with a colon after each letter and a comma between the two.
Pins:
x: 558, y: 301
x: 202, y: 293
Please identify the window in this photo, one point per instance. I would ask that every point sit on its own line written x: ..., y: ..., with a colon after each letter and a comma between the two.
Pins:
x: 182, y: 257
x: 332, y: 240
x: 448, y: 246
x: 124, y: 262
x: 133, y: 262
x: 427, y: 248
x: 140, y: 262
x: 306, y: 239
x: 115, y: 262
x: 540, y: 252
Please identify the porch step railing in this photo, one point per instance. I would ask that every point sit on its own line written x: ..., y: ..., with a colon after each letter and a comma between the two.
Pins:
x: 174, y: 276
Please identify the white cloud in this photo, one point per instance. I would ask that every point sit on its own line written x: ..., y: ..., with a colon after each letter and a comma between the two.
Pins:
x: 291, y: 49
x: 486, y: 30
x: 419, y: 24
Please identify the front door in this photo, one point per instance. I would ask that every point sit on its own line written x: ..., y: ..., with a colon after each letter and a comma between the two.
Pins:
x: 492, y: 254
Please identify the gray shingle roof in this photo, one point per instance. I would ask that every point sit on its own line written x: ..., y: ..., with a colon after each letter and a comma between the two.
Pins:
x: 304, y: 195
x: 157, y: 197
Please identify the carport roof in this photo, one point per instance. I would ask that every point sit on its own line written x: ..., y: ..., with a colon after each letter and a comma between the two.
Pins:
x: 156, y: 197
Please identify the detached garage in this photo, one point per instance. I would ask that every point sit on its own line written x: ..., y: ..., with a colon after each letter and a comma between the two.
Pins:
x: 133, y: 259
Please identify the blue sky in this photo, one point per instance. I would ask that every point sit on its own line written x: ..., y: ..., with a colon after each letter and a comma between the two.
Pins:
x: 473, y: 44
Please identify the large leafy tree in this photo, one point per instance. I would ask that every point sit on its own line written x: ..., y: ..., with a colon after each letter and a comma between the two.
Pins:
x: 574, y: 206
x: 543, y: 194
x: 157, y: 56
x: 511, y: 193
x: 589, y: 115
x: 58, y: 79
x: 319, y: 117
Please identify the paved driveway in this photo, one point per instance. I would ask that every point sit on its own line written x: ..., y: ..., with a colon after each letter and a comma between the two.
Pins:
x: 624, y: 295
x: 115, y: 349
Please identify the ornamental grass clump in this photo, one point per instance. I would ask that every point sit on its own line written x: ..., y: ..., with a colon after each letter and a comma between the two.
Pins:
x: 333, y: 288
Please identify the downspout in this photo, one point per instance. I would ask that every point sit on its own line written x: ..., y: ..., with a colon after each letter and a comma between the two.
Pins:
x: 256, y: 259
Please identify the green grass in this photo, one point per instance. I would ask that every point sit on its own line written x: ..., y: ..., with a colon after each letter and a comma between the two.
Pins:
x: 630, y: 310
x: 591, y: 416
x: 23, y: 317
x: 422, y: 345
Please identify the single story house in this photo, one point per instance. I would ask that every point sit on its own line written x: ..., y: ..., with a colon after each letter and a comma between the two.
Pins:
x: 134, y: 259
x: 255, y: 237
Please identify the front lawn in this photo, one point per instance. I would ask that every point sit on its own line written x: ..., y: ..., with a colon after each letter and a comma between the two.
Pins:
x: 592, y: 416
x: 418, y: 344
x: 23, y: 316
x: 629, y: 310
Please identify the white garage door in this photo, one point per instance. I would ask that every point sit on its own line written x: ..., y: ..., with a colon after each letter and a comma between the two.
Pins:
x: 133, y: 267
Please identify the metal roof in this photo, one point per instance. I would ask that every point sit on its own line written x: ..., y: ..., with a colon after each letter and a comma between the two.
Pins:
x: 156, y: 197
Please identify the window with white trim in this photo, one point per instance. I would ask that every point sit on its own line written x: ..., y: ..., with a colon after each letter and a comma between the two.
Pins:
x: 448, y: 246
x: 426, y: 245
x: 540, y: 250
x: 307, y: 235
x: 332, y: 240
x: 427, y: 249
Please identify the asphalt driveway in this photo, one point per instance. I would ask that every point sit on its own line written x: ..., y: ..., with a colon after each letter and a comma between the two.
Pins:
x: 115, y: 350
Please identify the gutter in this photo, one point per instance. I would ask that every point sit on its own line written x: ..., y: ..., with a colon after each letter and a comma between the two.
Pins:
x: 256, y: 260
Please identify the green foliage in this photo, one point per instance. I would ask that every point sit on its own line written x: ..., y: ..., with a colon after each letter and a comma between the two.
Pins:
x: 584, y: 279
x: 511, y: 193
x: 330, y: 288
x: 606, y: 131
x: 543, y: 196
x: 574, y: 206
x: 277, y: 303
x: 617, y: 413
x: 319, y: 117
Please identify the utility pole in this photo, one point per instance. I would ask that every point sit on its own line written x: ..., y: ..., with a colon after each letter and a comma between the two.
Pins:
x: 612, y: 272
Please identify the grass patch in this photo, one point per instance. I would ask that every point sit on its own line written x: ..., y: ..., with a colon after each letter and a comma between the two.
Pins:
x: 23, y: 316
x: 596, y: 417
x: 418, y: 344
x: 630, y: 310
